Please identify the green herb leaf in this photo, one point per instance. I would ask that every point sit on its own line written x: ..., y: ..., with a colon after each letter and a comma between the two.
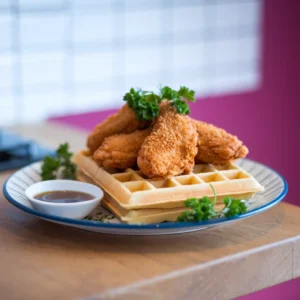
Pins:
x: 186, y: 93
x: 181, y: 107
x: 202, y: 209
x: 233, y: 207
x: 143, y: 103
x: 178, y: 98
x: 168, y: 93
x: 69, y: 171
x: 62, y: 163
x: 187, y: 216
x: 49, y: 168
x: 63, y: 152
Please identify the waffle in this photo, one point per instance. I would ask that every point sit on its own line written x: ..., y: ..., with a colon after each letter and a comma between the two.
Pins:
x: 137, y: 216
x: 131, y: 190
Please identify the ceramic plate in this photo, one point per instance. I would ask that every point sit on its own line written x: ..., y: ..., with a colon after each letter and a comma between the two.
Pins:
x: 275, y: 190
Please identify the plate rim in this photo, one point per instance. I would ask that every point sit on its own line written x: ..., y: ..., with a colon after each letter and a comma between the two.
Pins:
x: 166, y: 225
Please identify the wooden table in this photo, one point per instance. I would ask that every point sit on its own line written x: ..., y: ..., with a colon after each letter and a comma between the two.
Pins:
x: 41, y: 260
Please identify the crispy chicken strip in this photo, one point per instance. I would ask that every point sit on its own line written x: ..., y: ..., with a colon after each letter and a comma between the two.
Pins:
x: 123, y: 121
x: 120, y: 151
x: 171, y: 147
x: 216, y: 146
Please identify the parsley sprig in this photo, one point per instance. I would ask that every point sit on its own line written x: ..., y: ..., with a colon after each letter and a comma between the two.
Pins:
x: 61, y: 165
x: 233, y: 207
x: 178, y: 98
x: 200, y: 209
x: 204, y: 209
x: 145, y: 104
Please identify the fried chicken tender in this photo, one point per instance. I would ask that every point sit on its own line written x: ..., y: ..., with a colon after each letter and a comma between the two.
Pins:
x: 123, y: 121
x: 171, y: 147
x: 120, y: 151
x: 216, y: 146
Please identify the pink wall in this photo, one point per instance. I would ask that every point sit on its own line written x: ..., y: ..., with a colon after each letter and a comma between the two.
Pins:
x: 265, y: 119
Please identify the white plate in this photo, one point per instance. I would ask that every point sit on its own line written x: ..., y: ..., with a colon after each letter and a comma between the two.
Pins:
x: 275, y: 190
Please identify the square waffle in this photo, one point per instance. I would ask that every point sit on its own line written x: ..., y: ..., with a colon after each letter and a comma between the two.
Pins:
x: 130, y: 190
x: 137, y: 216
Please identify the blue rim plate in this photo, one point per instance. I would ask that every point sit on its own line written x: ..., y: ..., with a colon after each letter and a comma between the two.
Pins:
x: 275, y: 190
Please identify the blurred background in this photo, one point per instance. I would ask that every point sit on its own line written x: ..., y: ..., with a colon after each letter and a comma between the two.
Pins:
x: 60, y: 56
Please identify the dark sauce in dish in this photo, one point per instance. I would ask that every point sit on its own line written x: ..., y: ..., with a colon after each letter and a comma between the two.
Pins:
x: 63, y: 196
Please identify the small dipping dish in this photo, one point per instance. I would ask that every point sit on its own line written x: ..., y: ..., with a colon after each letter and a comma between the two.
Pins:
x: 77, y: 209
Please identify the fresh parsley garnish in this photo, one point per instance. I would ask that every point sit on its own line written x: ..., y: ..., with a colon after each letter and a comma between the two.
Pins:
x: 186, y: 93
x: 233, y: 207
x: 200, y: 209
x: 146, y: 104
x: 204, y: 209
x: 178, y: 98
x: 60, y: 165
x: 167, y: 93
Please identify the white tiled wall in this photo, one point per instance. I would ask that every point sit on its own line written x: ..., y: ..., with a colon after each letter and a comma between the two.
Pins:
x: 61, y: 56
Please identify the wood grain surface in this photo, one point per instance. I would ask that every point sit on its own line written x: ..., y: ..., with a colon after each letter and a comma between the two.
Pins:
x: 41, y: 260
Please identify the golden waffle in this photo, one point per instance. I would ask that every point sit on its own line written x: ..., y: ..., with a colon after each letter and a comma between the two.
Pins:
x: 137, y: 216
x: 132, y: 190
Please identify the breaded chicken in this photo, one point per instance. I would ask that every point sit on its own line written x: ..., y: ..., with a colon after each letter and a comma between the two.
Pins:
x: 120, y: 151
x: 216, y: 146
x: 123, y: 121
x: 171, y: 147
